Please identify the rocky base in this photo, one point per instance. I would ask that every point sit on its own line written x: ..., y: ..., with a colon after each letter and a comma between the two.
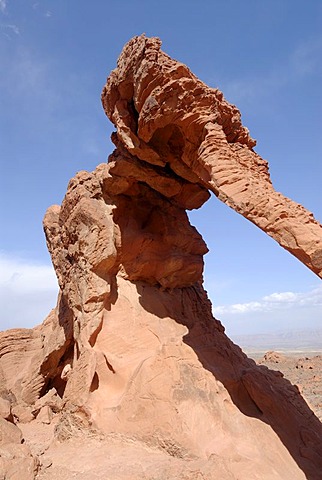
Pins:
x: 170, y: 393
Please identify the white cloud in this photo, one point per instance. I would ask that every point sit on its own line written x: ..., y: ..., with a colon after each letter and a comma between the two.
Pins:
x: 30, y: 72
x: 254, y: 87
x: 306, y: 58
x: 281, y: 297
x: 32, y: 79
x: 279, y: 311
x: 28, y: 291
x: 7, y: 29
x: 3, y: 5
x: 21, y: 276
x: 11, y: 27
x: 274, y: 301
x: 304, y: 61
x: 239, y: 308
x: 40, y: 8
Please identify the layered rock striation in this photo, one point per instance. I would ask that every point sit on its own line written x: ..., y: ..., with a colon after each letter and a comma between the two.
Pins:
x: 132, y: 358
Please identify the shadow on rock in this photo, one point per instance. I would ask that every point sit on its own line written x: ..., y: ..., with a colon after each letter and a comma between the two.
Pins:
x: 256, y: 391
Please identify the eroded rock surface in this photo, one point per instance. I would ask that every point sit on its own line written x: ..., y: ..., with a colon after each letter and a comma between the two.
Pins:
x: 166, y: 116
x: 132, y: 359
x: 305, y: 372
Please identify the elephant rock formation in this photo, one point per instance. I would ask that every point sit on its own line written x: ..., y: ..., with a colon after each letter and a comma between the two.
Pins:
x: 132, y: 358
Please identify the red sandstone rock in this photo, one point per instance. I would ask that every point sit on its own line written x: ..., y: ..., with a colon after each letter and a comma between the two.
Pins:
x: 132, y: 359
x: 9, y: 433
x: 271, y: 356
x: 165, y: 116
x: 16, y: 462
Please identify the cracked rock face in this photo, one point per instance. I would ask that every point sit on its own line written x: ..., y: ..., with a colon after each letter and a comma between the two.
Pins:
x: 131, y: 357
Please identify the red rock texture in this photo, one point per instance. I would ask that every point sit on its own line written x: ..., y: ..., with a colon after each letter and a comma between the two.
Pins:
x: 165, y: 116
x: 305, y: 372
x: 131, y: 362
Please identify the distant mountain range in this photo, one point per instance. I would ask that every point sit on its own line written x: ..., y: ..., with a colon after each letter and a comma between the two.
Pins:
x: 307, y: 340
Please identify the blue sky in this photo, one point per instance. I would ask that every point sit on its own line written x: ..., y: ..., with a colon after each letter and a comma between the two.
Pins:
x: 267, y: 59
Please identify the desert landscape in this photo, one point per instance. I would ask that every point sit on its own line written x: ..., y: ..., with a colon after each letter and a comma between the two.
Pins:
x: 297, y: 356
x: 302, y: 371
x: 131, y: 376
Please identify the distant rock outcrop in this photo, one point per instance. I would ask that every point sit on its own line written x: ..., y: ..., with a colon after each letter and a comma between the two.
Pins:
x: 132, y: 358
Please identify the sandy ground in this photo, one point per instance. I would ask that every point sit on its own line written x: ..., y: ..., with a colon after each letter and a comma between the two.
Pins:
x: 85, y: 454
x: 302, y: 368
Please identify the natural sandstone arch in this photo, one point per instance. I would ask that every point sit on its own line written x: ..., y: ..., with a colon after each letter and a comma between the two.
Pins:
x: 165, y: 116
x: 132, y: 352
